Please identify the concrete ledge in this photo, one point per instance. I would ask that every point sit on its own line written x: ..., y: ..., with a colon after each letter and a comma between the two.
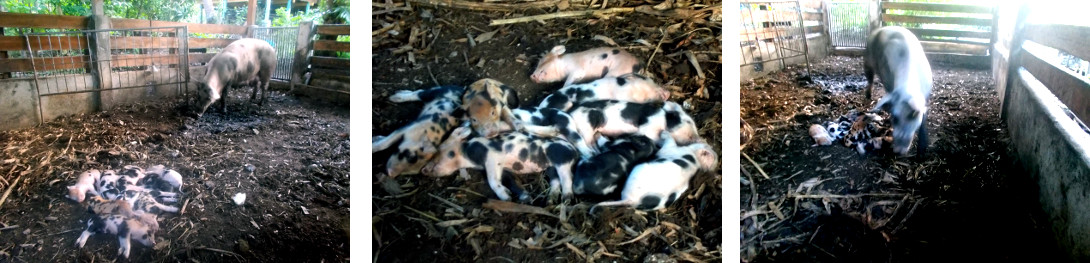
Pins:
x: 1052, y: 148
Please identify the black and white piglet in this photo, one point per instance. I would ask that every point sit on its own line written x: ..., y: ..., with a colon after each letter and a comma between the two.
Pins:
x: 163, y: 179
x: 419, y: 138
x: 615, y: 118
x: 658, y: 183
x: 517, y: 152
x: 603, y: 173
x: 628, y: 87
x: 561, y: 121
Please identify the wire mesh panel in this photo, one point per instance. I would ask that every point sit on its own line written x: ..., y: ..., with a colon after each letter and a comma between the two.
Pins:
x: 849, y: 23
x: 283, y: 39
x: 65, y: 62
x: 771, y: 30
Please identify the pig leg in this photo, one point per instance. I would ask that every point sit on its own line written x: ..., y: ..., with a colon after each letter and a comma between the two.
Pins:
x: 564, y: 173
x: 223, y: 98
x: 494, y: 172
x: 554, y: 184
x: 921, y: 140
x: 86, y: 232
x: 510, y: 183
x: 380, y: 143
x: 869, y: 74
x: 578, y: 74
x: 123, y: 243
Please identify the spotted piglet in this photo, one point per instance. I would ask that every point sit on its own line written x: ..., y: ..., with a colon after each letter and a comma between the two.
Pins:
x: 488, y: 103
x: 602, y: 174
x: 85, y: 183
x: 516, y: 152
x: 658, y: 183
x: 628, y: 87
x: 590, y: 64
x: 418, y: 139
x: 559, y: 120
x: 615, y: 118
x: 125, y: 228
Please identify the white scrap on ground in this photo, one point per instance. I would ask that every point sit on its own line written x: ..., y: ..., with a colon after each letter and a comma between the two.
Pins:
x: 240, y: 198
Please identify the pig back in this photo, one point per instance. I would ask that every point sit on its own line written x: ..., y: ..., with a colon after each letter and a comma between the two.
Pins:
x: 895, y: 54
x: 243, y: 60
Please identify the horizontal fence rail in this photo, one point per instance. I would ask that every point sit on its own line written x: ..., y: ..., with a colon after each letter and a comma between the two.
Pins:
x: 951, y: 23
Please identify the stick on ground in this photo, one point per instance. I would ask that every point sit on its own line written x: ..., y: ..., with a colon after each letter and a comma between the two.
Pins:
x: 560, y: 15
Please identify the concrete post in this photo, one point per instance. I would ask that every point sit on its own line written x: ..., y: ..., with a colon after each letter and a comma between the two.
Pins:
x: 100, y: 46
x: 302, y: 52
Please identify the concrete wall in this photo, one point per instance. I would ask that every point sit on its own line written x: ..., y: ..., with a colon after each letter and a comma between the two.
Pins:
x: 818, y: 48
x: 18, y: 104
x: 1053, y: 150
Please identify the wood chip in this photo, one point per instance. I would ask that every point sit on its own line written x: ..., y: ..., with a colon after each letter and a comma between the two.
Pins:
x: 504, y: 206
x: 605, y: 39
x: 576, y: 250
x: 452, y: 222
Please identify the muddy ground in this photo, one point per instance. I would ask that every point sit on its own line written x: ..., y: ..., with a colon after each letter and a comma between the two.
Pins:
x: 289, y: 157
x: 966, y: 201
x: 423, y: 219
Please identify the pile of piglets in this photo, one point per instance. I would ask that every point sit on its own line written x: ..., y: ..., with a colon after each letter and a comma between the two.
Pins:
x: 126, y: 202
x: 609, y: 133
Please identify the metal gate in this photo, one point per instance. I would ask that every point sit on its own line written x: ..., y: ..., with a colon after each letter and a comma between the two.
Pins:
x: 772, y: 30
x: 66, y: 62
x: 849, y: 23
x: 284, y: 40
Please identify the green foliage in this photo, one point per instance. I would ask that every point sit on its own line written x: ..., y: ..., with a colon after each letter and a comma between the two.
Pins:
x: 281, y: 17
x: 168, y: 10
x: 343, y: 39
x: 338, y: 13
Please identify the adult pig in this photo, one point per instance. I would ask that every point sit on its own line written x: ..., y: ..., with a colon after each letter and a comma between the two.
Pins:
x: 895, y: 54
x: 242, y: 62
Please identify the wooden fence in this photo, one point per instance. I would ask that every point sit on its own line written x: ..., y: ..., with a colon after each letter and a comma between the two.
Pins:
x: 944, y: 28
x: 327, y: 72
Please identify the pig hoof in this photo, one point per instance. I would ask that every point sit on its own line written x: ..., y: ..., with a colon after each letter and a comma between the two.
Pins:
x: 525, y: 198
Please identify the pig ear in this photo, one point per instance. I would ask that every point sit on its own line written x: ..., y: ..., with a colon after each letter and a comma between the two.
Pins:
x: 558, y: 50
x: 918, y: 106
x: 883, y: 105
x: 707, y: 156
x: 461, y: 132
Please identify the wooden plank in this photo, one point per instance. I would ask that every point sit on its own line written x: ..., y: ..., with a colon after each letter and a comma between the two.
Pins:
x: 1068, y: 38
x: 954, y: 48
x: 14, y: 43
x: 144, y: 42
x: 192, y: 27
x: 815, y: 29
x: 1070, y: 89
x: 329, y: 62
x: 953, y: 8
x: 937, y: 20
x: 950, y: 33
x: 766, y: 33
x: 333, y: 30
x: 813, y: 16
x: 42, y: 64
x: 201, y: 57
x: 302, y: 51
x: 331, y: 45
x: 132, y: 60
x: 251, y: 12
x: 42, y: 21
x: 209, y: 42
x: 330, y: 73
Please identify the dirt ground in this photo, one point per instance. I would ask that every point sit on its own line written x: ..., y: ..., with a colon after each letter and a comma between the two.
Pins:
x: 289, y: 157
x: 421, y: 219
x: 965, y: 201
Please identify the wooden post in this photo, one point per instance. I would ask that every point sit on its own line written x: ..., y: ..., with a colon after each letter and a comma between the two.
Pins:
x: 100, y: 46
x: 251, y: 12
x: 1015, y: 58
x: 302, y: 54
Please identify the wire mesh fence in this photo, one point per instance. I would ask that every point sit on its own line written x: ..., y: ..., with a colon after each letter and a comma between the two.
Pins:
x: 771, y: 30
x: 848, y: 23
x: 284, y: 40
x: 65, y: 62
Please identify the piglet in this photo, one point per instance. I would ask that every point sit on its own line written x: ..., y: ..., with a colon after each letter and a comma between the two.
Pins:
x: 577, y: 67
x: 820, y: 135
x: 102, y: 207
x: 629, y: 87
x: 603, y: 173
x: 658, y: 183
x: 516, y: 152
x: 125, y: 228
x: 85, y: 183
x: 163, y: 179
